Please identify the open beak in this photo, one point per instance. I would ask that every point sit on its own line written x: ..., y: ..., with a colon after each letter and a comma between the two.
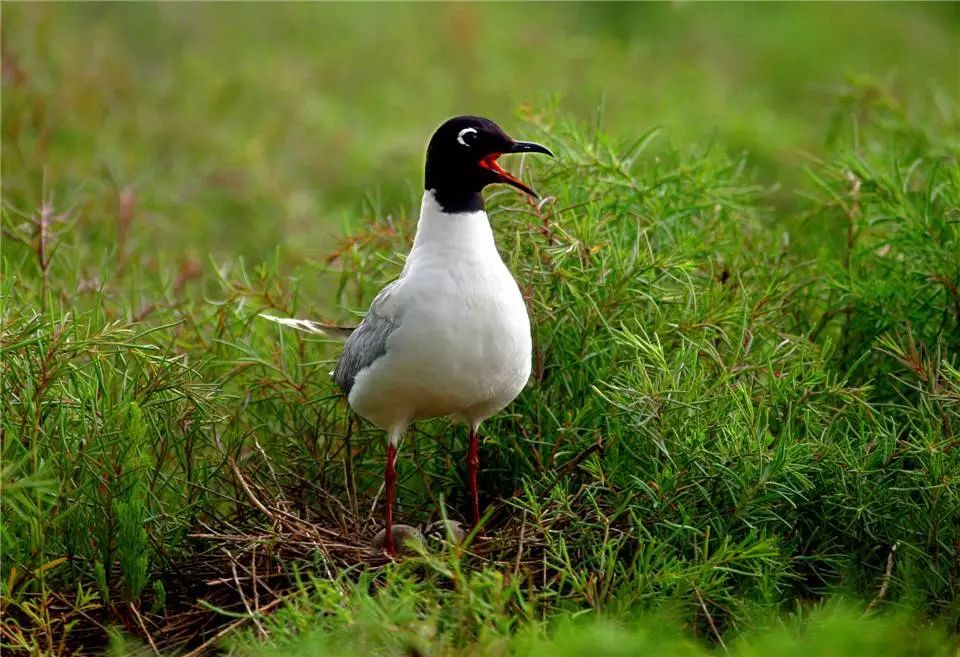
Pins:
x: 490, y: 163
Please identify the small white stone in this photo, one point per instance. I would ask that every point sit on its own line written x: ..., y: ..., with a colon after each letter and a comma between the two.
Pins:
x: 402, y: 535
x: 453, y: 530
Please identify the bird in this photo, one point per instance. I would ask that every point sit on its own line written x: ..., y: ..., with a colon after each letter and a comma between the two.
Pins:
x: 450, y: 337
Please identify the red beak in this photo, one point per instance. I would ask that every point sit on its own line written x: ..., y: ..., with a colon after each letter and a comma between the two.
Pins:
x: 490, y: 163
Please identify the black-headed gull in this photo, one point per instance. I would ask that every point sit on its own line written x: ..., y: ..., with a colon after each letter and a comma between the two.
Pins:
x: 451, y: 336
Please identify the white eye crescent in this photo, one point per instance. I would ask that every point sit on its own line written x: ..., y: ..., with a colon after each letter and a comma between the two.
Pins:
x: 463, y: 133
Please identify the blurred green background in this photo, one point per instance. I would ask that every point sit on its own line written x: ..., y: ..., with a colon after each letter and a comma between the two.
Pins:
x: 236, y: 128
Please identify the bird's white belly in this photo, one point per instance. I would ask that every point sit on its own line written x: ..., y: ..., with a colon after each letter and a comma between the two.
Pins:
x: 465, y: 354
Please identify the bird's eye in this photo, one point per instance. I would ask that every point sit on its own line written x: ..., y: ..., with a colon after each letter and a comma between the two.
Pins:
x: 467, y: 136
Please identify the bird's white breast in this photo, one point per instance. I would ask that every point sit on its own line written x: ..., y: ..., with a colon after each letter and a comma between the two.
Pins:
x: 462, y: 346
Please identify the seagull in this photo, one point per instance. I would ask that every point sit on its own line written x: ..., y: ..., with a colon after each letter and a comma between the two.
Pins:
x: 451, y: 336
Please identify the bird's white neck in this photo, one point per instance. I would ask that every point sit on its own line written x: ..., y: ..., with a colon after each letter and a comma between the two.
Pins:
x: 460, y: 231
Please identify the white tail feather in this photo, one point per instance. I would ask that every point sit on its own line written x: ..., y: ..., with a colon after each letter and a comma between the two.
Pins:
x: 310, y: 326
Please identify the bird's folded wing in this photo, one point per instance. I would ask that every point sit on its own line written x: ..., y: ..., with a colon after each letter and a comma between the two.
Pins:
x: 369, y: 341
x: 310, y: 326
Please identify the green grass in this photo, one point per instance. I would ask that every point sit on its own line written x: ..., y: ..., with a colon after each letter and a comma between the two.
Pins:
x: 741, y: 431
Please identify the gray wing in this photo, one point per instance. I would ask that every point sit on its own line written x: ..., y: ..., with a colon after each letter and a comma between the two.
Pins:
x: 368, y: 342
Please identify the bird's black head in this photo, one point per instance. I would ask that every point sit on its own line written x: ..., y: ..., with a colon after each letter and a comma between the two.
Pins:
x: 462, y: 160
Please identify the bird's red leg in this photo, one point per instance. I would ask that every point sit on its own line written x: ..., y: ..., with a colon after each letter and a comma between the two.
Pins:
x: 390, y: 479
x: 473, y: 463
